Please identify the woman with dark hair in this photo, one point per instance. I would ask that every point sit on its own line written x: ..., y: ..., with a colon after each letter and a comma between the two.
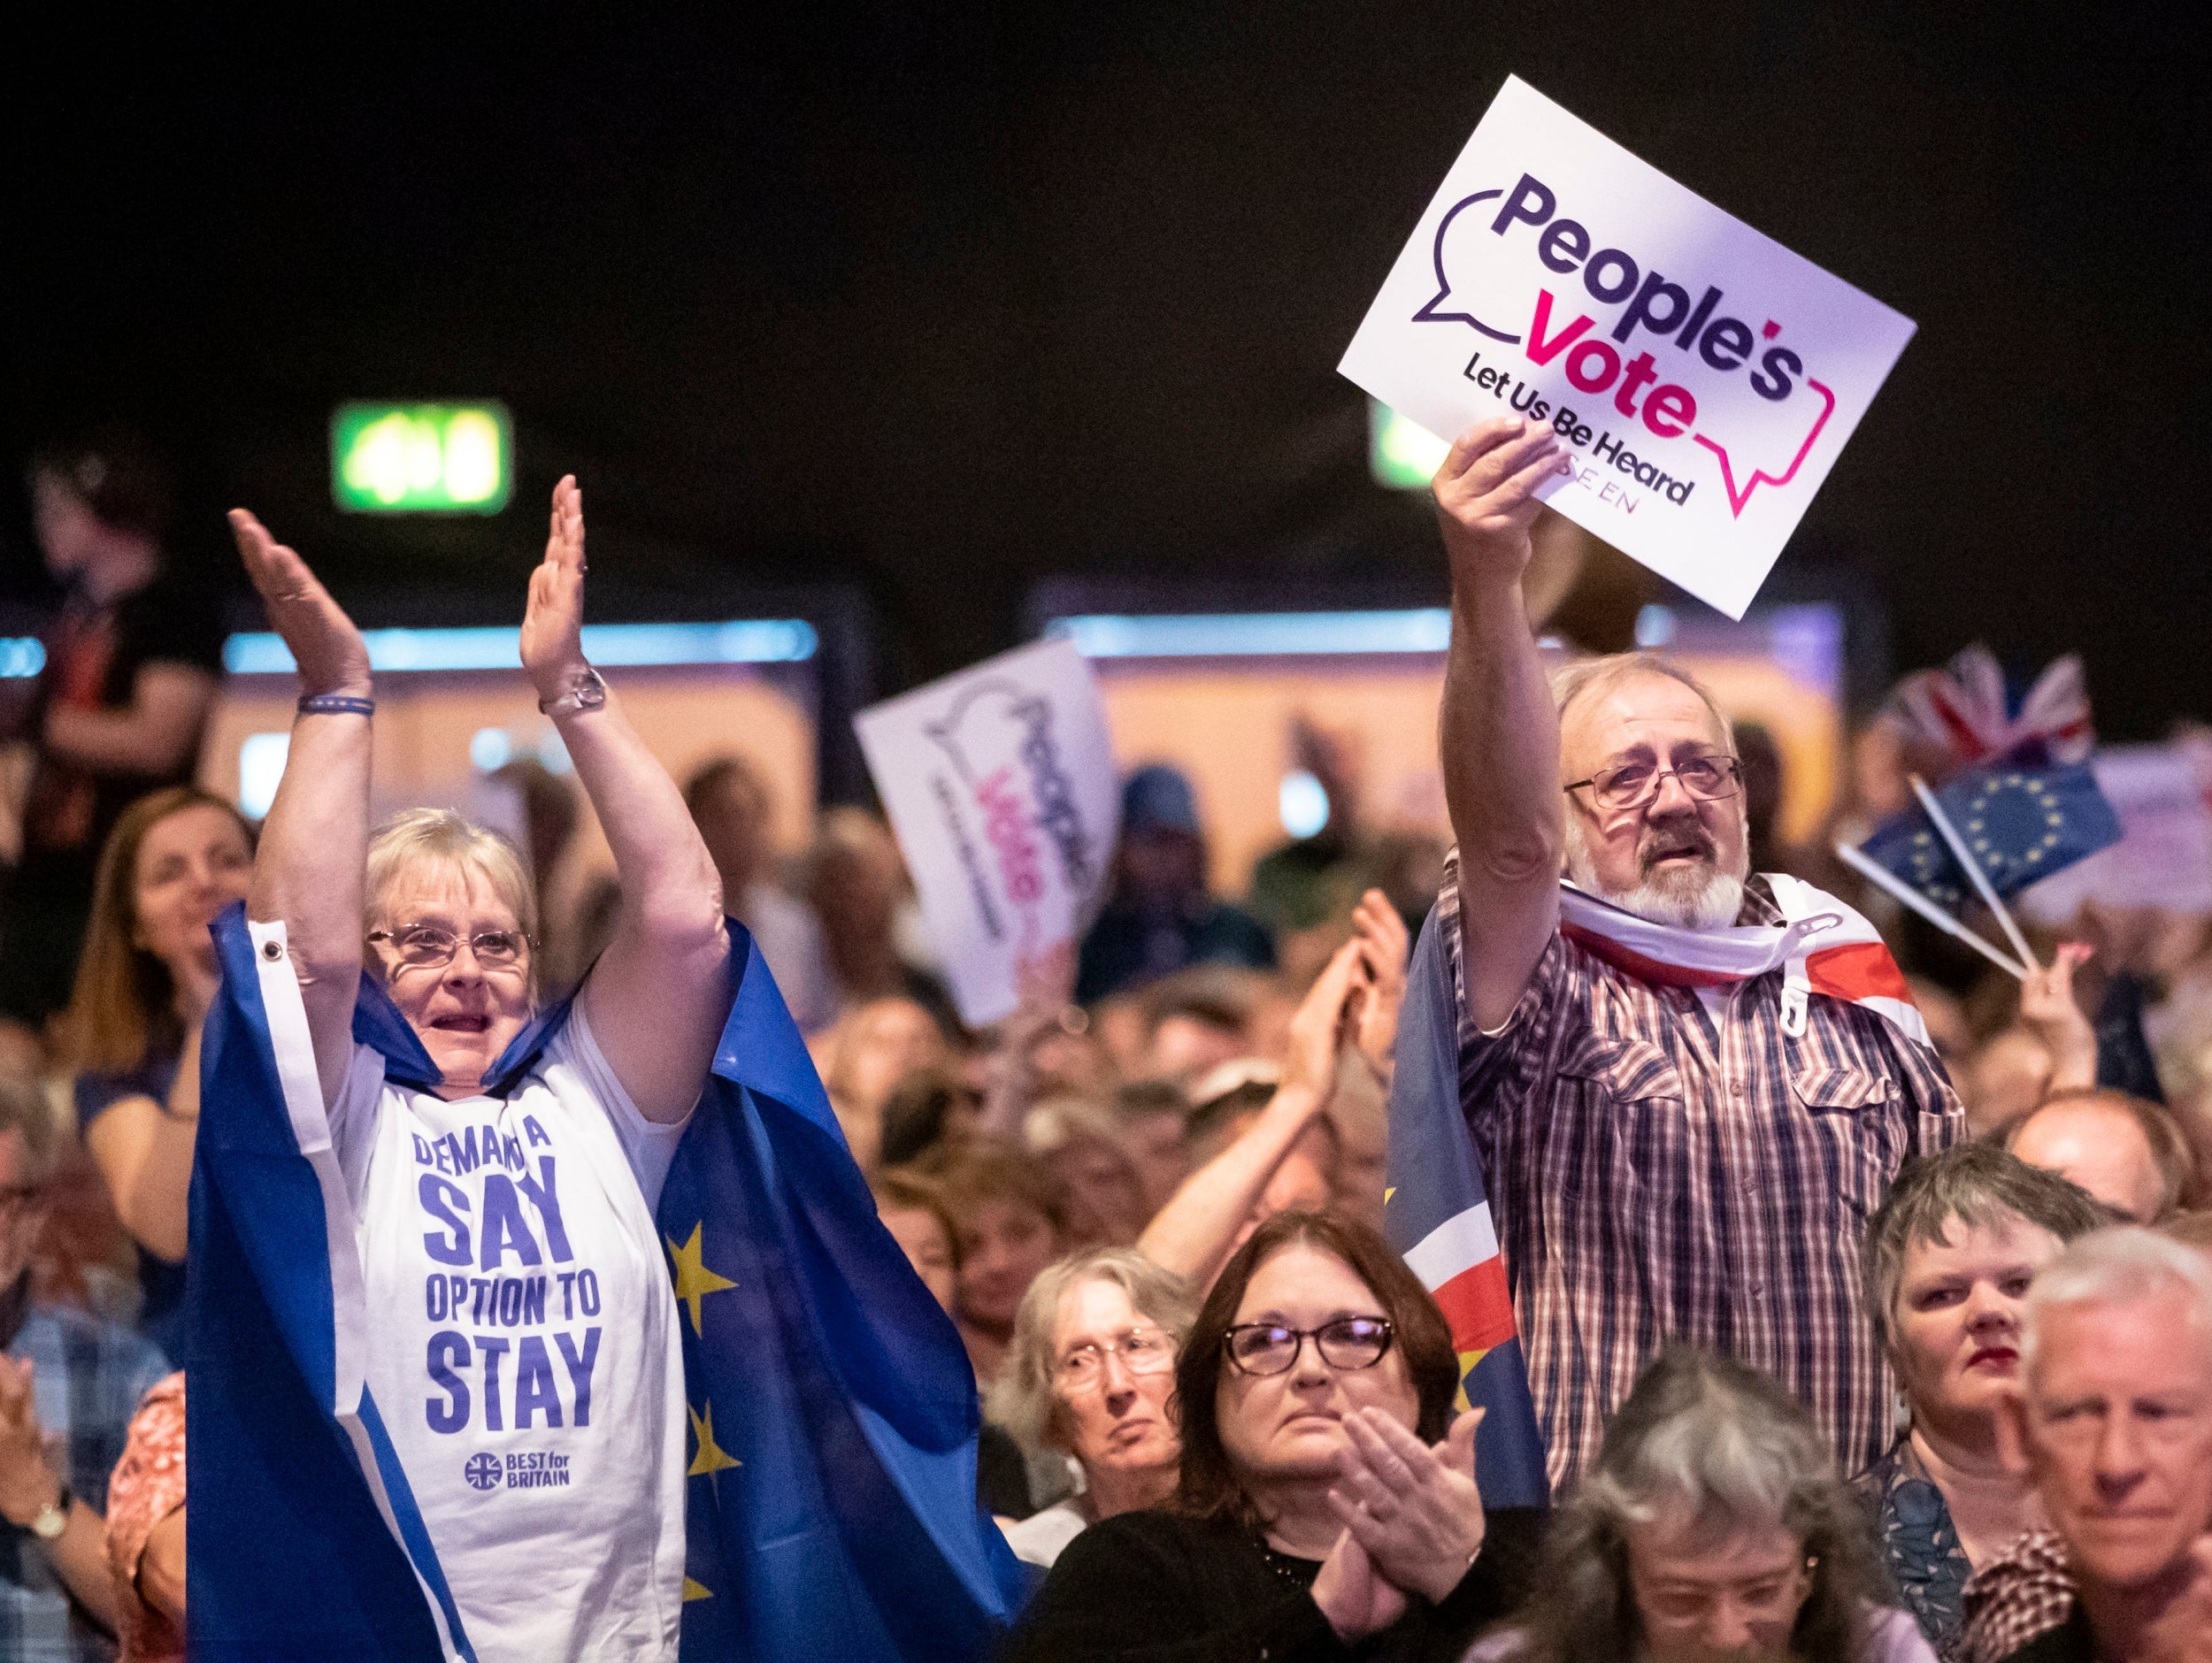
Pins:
x: 1326, y: 1506
x: 133, y: 656
x: 1712, y: 1528
x: 176, y: 859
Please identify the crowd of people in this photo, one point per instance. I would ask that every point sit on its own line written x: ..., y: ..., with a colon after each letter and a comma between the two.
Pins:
x: 1850, y: 1332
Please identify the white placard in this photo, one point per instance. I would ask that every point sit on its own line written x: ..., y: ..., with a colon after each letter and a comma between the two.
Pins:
x: 2163, y: 859
x: 1706, y: 377
x: 1000, y: 782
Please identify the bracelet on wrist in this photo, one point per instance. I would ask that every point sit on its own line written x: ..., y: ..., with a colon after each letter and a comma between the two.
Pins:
x: 335, y: 704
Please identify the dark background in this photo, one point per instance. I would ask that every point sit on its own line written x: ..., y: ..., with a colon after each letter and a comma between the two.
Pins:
x: 936, y: 302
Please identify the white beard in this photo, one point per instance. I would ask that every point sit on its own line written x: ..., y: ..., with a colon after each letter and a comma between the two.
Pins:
x: 1701, y: 896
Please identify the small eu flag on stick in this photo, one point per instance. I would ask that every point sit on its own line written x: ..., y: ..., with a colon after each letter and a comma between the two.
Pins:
x: 2020, y: 824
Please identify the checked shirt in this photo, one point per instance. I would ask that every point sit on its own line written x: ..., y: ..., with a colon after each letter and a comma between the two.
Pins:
x: 1666, y: 1168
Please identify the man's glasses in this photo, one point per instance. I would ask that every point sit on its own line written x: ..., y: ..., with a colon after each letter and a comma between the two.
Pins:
x: 1268, y: 1348
x: 1633, y: 785
x: 1142, y: 1351
x: 17, y: 1197
x: 425, y: 946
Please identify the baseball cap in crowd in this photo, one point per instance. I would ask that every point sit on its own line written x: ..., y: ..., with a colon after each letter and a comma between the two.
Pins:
x: 1157, y: 798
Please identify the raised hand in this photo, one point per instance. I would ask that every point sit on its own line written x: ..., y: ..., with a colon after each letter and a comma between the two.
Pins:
x: 1381, y: 938
x: 27, y: 1483
x: 1485, y: 494
x: 329, y: 651
x: 2047, y: 1005
x: 1316, y: 1029
x: 552, y: 628
x: 1414, y: 1508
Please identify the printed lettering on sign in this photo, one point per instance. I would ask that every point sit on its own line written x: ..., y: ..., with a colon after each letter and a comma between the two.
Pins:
x: 1706, y: 376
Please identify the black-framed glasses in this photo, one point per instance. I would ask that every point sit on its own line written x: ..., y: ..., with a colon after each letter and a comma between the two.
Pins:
x: 1633, y: 785
x: 1142, y: 1351
x: 429, y: 946
x: 1345, y: 1343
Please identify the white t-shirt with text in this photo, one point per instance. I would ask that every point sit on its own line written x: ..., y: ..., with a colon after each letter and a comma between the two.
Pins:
x: 523, y: 1347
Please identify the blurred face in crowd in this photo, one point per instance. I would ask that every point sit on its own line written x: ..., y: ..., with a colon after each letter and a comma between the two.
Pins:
x: 2102, y: 1148
x: 1114, y: 1370
x: 1101, y: 1201
x: 1161, y: 1153
x: 1705, y: 1594
x: 880, y: 1045
x: 920, y: 1234
x: 1004, y: 1243
x: 1290, y: 1426
x: 22, y: 1209
x: 1162, y: 863
x: 190, y: 865
x: 466, y: 1011
x: 2114, y: 1423
x: 733, y: 819
x: 1955, y: 1332
x: 1670, y: 858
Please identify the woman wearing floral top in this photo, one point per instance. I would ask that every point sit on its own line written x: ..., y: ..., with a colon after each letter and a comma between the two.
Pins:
x: 1948, y: 1258
x: 145, y: 1529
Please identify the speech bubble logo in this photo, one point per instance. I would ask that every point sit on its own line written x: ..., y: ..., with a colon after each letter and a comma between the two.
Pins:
x: 1738, y: 496
x: 1466, y: 282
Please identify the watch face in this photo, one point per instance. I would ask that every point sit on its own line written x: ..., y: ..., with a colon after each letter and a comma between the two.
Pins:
x: 591, y: 693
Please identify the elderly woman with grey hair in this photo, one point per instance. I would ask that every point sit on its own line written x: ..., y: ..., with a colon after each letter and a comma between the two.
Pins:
x: 1947, y: 1259
x: 1090, y: 1372
x: 1712, y: 1527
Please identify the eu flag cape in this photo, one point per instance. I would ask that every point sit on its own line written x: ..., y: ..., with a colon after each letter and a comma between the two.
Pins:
x: 831, y: 1502
x: 1438, y: 1217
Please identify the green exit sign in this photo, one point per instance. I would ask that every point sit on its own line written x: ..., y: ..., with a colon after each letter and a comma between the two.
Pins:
x: 421, y: 458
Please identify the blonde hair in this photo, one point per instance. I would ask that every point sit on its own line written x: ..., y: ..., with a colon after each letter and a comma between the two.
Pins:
x: 439, y: 836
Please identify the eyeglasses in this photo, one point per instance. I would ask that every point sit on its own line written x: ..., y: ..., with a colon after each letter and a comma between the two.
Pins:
x: 425, y: 946
x: 16, y: 1198
x: 1268, y: 1348
x: 1633, y: 785
x: 1142, y: 1351
x: 1767, y: 1598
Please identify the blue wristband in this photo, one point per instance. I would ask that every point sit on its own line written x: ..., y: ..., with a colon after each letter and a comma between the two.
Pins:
x: 336, y: 704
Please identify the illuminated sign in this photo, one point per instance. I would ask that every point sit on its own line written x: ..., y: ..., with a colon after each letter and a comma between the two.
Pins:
x: 1400, y: 454
x: 421, y: 458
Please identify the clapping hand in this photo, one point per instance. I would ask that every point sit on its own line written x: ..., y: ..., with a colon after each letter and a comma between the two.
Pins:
x: 27, y: 1484
x: 329, y: 651
x: 1381, y: 936
x: 1355, y: 1598
x: 1413, y: 1509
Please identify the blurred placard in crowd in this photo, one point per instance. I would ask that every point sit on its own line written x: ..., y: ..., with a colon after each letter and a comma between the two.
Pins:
x: 2163, y: 859
x: 1000, y: 782
x: 421, y: 458
x: 1705, y: 376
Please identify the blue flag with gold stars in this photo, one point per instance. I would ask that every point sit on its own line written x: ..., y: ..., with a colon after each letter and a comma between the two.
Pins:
x: 832, y: 1508
x: 2020, y: 823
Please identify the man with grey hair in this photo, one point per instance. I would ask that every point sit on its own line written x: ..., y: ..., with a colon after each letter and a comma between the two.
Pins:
x: 2112, y: 1420
x: 1688, y: 1086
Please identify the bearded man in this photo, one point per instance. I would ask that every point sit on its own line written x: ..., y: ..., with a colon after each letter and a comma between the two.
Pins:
x: 1688, y: 1086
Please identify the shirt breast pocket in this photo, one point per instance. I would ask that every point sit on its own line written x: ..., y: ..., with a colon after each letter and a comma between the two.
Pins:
x: 1855, y: 1133
x: 1626, y: 1130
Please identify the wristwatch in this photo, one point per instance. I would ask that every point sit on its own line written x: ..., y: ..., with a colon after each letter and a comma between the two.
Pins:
x: 588, y: 692
x: 53, y: 1518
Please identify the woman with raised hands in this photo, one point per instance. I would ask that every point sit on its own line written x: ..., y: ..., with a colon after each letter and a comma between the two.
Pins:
x: 501, y: 1163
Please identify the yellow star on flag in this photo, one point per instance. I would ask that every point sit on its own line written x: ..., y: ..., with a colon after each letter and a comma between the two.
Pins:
x: 693, y: 1280
x: 711, y: 1458
x: 1467, y: 1361
x: 696, y: 1591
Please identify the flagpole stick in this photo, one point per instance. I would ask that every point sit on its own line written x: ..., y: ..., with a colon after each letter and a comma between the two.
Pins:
x: 1905, y: 894
x: 1974, y: 872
